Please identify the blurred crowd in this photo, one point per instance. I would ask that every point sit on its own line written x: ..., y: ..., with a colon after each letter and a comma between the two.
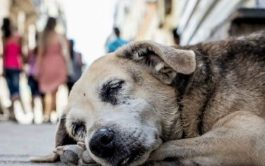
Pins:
x: 52, y: 63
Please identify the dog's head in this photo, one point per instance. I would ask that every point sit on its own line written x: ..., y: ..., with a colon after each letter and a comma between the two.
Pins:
x: 123, y: 106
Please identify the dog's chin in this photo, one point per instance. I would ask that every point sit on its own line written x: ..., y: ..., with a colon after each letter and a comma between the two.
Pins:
x: 129, y: 160
x: 134, y: 158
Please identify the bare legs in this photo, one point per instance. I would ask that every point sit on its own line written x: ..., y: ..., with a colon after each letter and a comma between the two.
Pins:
x: 37, y: 109
x: 49, y: 105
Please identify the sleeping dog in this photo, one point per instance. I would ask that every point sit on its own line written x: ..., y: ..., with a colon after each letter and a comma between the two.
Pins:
x: 157, y: 105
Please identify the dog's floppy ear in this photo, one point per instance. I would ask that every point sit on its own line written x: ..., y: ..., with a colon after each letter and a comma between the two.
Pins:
x: 165, y: 62
x: 62, y: 137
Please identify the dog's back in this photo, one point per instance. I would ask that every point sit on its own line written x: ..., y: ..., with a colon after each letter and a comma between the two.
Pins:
x: 222, y: 105
x: 237, y: 74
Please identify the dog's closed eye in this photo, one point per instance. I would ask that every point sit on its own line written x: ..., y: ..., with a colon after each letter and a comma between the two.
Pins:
x: 110, y: 90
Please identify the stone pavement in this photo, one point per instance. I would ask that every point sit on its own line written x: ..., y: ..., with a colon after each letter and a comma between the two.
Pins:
x: 19, y: 142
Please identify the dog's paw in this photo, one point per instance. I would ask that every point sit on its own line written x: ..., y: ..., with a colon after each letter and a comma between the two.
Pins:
x: 70, y: 154
x: 86, y: 160
x: 75, y: 155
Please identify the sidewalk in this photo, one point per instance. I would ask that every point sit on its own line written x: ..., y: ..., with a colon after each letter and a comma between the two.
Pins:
x: 19, y: 142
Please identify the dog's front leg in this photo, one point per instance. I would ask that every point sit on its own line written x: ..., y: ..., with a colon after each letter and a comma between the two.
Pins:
x: 237, y: 139
x: 171, y: 162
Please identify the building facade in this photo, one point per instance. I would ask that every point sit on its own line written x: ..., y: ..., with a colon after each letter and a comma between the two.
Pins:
x: 147, y: 19
x: 203, y: 20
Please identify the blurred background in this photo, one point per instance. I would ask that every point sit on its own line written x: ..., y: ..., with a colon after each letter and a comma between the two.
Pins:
x: 46, y: 44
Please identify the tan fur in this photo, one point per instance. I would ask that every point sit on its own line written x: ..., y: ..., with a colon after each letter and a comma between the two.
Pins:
x: 206, y: 102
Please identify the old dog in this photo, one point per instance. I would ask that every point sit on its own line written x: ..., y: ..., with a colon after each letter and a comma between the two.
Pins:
x: 157, y: 105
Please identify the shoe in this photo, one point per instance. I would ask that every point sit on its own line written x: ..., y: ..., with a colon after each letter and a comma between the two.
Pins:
x: 20, y: 116
x: 54, y: 117
x: 46, y: 118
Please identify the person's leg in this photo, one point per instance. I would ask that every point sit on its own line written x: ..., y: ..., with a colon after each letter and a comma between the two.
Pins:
x: 19, y: 108
x: 36, y: 102
x: 54, y: 100
x: 16, y: 90
x: 37, y: 109
x: 32, y: 89
x: 4, y: 113
x: 9, y: 80
x: 70, y: 85
x: 54, y: 116
x: 47, y: 106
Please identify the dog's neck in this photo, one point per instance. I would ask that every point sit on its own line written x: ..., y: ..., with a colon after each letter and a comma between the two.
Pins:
x: 193, y: 95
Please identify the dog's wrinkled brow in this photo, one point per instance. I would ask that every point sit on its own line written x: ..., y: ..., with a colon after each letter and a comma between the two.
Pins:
x: 109, y: 91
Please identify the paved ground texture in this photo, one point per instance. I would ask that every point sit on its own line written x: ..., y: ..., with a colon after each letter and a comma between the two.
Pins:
x: 19, y: 142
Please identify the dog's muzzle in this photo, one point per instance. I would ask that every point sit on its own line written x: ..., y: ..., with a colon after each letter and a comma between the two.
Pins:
x: 102, y: 144
x: 116, y: 148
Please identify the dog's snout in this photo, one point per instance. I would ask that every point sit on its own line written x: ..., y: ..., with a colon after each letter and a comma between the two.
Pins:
x: 105, y: 136
x: 102, y: 142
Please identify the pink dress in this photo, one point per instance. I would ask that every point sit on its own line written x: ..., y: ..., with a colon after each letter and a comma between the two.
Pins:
x: 53, y: 69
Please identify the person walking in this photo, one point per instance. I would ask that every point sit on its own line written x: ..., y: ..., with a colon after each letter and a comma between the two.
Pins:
x: 12, y: 58
x: 76, y: 63
x: 117, y: 42
x: 51, y: 65
x: 36, y: 95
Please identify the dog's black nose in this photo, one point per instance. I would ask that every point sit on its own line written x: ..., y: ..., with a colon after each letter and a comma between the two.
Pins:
x: 102, y: 143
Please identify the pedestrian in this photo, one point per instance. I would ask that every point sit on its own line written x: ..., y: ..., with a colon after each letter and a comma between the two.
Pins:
x: 36, y: 95
x: 176, y: 36
x: 51, y: 65
x: 12, y: 58
x: 77, y: 64
x: 117, y: 42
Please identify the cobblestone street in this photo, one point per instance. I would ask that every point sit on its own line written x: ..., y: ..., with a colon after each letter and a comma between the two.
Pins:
x: 19, y: 142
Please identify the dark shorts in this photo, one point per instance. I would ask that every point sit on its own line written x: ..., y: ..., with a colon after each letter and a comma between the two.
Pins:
x: 12, y: 78
x: 34, y: 86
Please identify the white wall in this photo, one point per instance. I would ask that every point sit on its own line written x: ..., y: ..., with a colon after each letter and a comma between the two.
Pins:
x: 89, y: 23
